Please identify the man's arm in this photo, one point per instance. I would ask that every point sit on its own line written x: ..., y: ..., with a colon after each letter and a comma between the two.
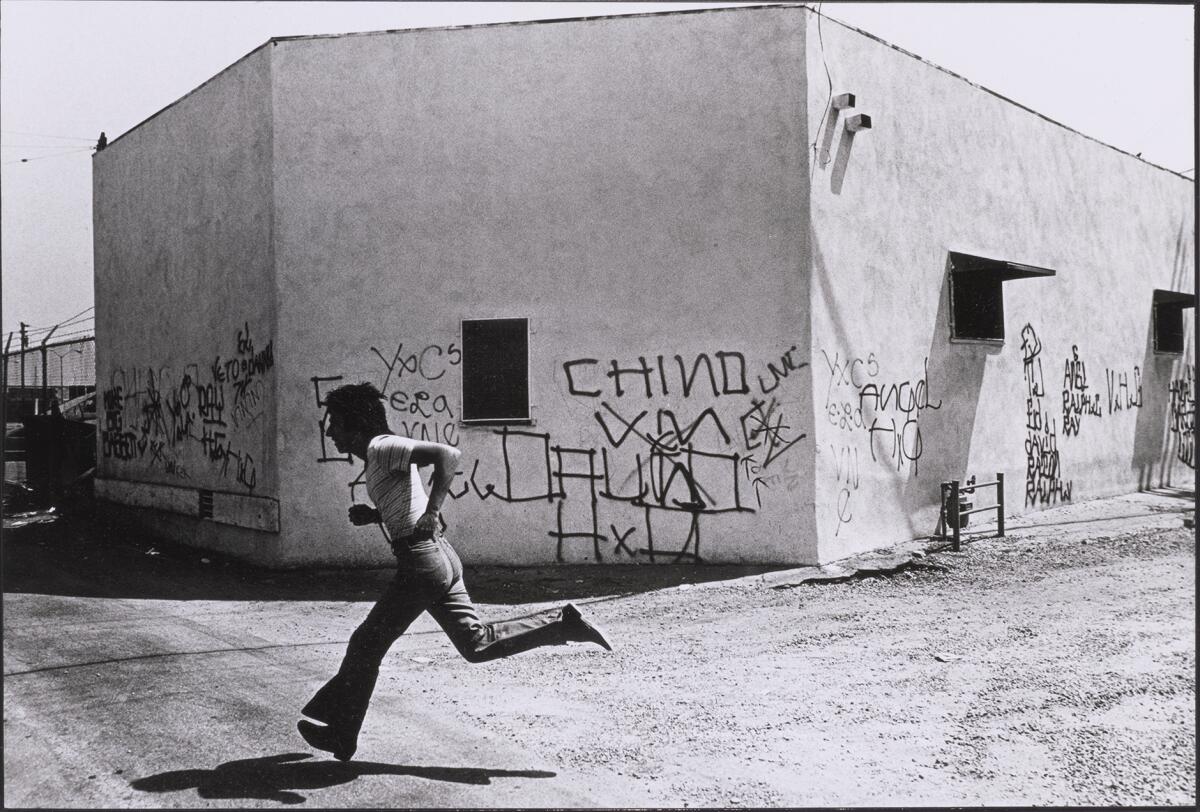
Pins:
x: 444, y: 459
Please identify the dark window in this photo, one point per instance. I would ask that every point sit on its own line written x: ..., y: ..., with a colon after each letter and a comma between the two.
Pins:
x: 978, y: 310
x: 1168, y: 319
x: 977, y: 294
x: 495, y: 369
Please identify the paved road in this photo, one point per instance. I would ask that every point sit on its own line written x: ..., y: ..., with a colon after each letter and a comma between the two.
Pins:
x: 1053, y: 667
x: 156, y: 703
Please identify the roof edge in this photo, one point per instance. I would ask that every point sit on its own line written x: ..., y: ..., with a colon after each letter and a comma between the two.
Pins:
x: 509, y: 23
x: 191, y: 92
x: 1000, y: 96
x: 543, y: 21
x: 300, y: 37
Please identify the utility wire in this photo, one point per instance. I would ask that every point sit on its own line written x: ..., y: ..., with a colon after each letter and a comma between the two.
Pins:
x: 34, y: 146
x: 47, y: 135
x: 55, y: 155
x: 66, y: 321
x: 66, y: 338
x: 59, y: 326
x: 81, y: 312
x: 88, y: 331
x: 35, y: 333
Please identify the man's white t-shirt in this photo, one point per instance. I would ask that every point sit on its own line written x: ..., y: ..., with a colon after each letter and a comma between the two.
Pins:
x: 390, y: 477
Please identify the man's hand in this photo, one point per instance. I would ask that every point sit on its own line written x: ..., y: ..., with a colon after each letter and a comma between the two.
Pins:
x: 426, y: 526
x: 363, y: 514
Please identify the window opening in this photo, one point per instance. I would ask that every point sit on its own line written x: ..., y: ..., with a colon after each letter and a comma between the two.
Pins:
x: 495, y: 370
x: 977, y: 294
x: 1168, y: 319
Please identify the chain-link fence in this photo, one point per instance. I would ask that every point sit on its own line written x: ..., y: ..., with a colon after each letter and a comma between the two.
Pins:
x: 64, y: 371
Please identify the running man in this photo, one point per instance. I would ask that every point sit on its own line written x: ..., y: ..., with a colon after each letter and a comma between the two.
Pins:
x: 429, y: 575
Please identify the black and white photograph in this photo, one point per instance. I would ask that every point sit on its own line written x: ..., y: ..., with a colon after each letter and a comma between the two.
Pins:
x: 614, y: 405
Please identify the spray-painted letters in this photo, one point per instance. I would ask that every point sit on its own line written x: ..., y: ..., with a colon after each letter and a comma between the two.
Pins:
x: 1044, y: 484
x: 156, y: 415
x: 1182, y: 416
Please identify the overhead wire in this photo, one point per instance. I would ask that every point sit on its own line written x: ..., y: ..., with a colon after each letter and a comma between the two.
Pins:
x: 48, y: 135
x: 77, y: 333
x: 80, y: 313
x: 78, y: 150
x: 38, y: 332
x: 67, y: 322
x: 35, y: 146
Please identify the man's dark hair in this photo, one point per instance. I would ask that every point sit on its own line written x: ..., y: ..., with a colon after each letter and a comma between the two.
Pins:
x: 359, y: 404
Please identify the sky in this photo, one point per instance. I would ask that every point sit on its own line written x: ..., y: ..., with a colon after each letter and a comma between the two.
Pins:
x: 1122, y: 74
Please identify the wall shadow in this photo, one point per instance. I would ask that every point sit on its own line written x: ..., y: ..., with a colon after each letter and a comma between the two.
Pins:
x: 838, y: 175
x: 1155, y: 453
x: 77, y: 553
x: 277, y: 778
x: 955, y: 373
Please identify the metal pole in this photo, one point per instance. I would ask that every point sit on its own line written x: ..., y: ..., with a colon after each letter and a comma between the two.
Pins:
x: 945, y: 515
x: 24, y: 345
x: 954, y: 507
x: 1000, y: 503
x: 4, y: 384
x: 44, y: 382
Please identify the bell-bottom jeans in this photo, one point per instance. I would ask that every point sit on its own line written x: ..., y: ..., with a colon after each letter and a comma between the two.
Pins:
x: 429, y: 578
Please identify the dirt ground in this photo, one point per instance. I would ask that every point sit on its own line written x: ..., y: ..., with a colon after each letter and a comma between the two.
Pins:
x: 1031, y: 670
x: 1055, y: 666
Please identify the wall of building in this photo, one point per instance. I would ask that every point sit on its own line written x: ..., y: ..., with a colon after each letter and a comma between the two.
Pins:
x: 634, y: 186
x: 185, y: 304
x: 1075, y: 404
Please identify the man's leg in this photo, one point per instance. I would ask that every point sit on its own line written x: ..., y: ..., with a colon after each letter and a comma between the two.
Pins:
x: 342, y: 702
x: 480, y: 642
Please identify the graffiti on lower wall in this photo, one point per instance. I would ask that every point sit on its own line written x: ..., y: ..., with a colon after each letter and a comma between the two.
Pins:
x: 671, y: 442
x: 877, y: 416
x: 1182, y: 416
x: 1044, y: 482
x: 1077, y: 399
x: 858, y: 398
x: 204, y: 415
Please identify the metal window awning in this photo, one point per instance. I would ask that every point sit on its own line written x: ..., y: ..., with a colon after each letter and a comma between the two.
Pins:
x: 999, y: 269
x: 1173, y: 298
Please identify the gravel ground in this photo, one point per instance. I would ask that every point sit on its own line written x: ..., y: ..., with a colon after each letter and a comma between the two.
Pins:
x: 1052, y: 667
x: 1024, y: 670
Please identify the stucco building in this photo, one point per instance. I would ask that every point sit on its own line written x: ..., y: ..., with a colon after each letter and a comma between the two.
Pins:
x: 707, y: 285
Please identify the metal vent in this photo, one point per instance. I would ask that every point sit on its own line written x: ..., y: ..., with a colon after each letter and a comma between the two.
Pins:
x: 206, y: 504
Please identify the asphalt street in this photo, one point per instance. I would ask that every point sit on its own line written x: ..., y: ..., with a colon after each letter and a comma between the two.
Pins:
x: 142, y: 674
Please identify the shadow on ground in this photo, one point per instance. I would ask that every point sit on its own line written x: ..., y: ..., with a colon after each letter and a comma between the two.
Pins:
x: 77, y: 552
x: 276, y: 778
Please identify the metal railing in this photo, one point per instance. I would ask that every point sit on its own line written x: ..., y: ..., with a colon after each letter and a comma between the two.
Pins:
x: 953, y: 503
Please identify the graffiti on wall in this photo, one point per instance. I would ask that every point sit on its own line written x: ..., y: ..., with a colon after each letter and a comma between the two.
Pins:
x: 650, y: 473
x: 419, y: 390
x: 162, y: 417
x: 881, y: 410
x: 888, y: 410
x: 1182, y: 416
x: 1122, y: 387
x: 1077, y: 399
x: 1044, y: 484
